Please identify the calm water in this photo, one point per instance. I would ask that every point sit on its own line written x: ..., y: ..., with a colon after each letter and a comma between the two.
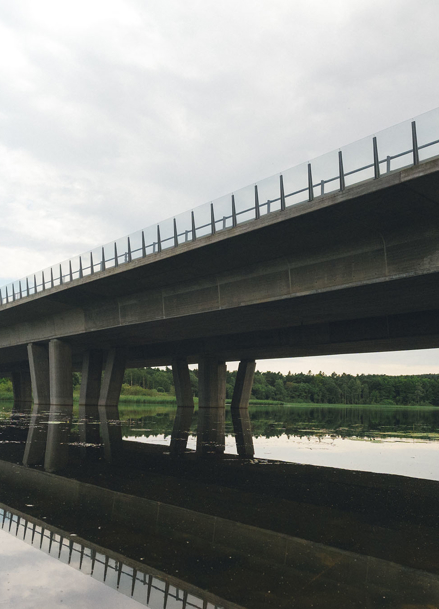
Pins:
x: 388, y: 440
x: 281, y: 529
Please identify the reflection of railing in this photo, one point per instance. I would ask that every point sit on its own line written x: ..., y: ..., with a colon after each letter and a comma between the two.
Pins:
x: 403, y: 145
x: 144, y: 587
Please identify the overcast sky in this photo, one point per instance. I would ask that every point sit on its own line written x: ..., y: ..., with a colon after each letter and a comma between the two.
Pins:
x: 117, y: 114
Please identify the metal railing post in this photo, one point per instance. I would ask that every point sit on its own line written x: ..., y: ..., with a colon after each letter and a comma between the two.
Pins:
x: 70, y: 270
x: 143, y: 245
x: 310, y: 184
x: 92, y: 266
x: 52, y: 284
x: 415, y: 144
x: 60, y: 275
x: 103, y: 260
x: 44, y: 282
x: 282, y: 193
x: 20, y: 293
x: 27, y: 286
x: 80, y: 273
x: 159, y: 241
x: 257, y: 208
x: 234, y: 222
x: 175, y: 233
x: 116, y: 257
x: 341, y: 171
x: 194, y: 230
x: 212, y: 219
x: 129, y: 250
x: 322, y: 187
x: 376, y: 160
x: 35, y: 284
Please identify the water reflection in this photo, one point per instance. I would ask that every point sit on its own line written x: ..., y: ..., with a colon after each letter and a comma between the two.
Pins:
x: 232, y: 532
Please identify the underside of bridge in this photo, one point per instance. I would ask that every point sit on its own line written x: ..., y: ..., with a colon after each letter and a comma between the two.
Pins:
x: 351, y: 271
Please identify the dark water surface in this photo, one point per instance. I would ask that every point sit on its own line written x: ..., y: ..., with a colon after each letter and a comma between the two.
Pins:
x: 338, y: 507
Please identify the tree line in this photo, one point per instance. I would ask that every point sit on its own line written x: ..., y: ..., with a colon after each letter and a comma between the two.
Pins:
x: 306, y: 388
x: 309, y: 388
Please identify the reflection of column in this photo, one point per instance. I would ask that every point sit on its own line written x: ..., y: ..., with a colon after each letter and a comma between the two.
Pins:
x: 211, y: 406
x: 239, y: 408
x: 37, y: 434
x: 61, y: 405
x: 111, y: 430
x: 22, y: 387
x: 185, y: 406
x: 89, y: 398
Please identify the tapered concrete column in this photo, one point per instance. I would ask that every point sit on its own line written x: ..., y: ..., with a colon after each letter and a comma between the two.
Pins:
x: 37, y: 434
x: 89, y: 398
x: 185, y: 406
x: 211, y: 406
x: 61, y: 405
x: 21, y: 384
x: 111, y: 430
x: 239, y: 408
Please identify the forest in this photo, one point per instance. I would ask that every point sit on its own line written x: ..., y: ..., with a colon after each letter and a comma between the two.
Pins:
x: 290, y: 388
x: 305, y: 388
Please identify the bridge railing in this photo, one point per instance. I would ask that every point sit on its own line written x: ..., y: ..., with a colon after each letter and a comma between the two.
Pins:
x: 402, y: 145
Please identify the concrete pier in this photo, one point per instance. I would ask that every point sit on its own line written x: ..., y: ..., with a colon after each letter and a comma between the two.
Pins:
x: 111, y: 431
x: 61, y: 405
x: 211, y: 406
x: 22, y: 387
x: 37, y: 434
x: 239, y: 408
x: 89, y: 397
x: 185, y: 406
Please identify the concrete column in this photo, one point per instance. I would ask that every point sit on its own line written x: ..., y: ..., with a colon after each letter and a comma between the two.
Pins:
x: 239, y: 409
x: 111, y: 430
x: 89, y: 398
x: 185, y: 406
x: 211, y: 406
x: 22, y: 387
x: 61, y: 405
x: 37, y: 434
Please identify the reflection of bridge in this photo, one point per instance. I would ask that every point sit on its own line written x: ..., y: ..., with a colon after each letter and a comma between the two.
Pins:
x: 353, y: 267
x: 318, y: 536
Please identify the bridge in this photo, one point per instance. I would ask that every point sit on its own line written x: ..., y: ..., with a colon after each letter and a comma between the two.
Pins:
x: 339, y: 255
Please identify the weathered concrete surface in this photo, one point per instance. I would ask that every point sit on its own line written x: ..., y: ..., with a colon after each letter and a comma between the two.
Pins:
x: 111, y: 386
x: 37, y: 434
x: 89, y: 397
x: 61, y: 405
x: 211, y: 438
x: 352, y: 271
x: 185, y: 407
x: 239, y: 408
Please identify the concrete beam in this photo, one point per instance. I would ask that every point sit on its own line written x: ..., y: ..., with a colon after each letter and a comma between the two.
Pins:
x: 89, y: 397
x: 239, y: 409
x: 211, y: 406
x: 37, y: 435
x: 185, y: 406
x: 111, y: 430
x: 61, y: 405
